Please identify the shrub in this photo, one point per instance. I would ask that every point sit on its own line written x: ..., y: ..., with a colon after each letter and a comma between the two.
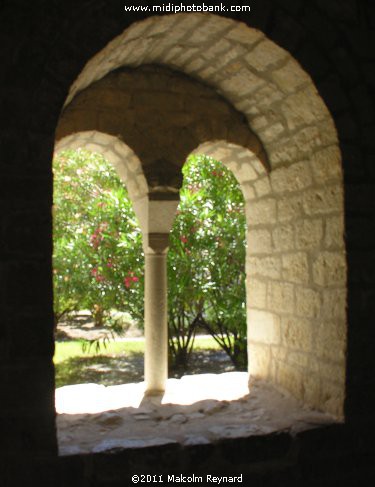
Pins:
x: 206, y: 261
x: 98, y: 257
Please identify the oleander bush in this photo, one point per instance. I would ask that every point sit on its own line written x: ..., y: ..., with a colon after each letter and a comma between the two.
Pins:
x: 98, y: 258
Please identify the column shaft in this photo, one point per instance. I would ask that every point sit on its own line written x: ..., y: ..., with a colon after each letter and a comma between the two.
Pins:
x: 156, y: 329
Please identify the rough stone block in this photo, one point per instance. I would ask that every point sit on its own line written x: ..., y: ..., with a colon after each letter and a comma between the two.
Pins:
x: 332, y: 351
x: 291, y: 379
x: 334, y: 304
x: 329, y: 332
x: 271, y: 132
x: 256, y: 293
x: 312, y: 390
x: 132, y: 187
x: 295, y: 268
x: 297, y: 333
x: 293, y: 178
x: 246, y: 173
x: 222, y: 48
x: 264, y: 267
x: 298, y: 359
x: 283, y: 237
x: 262, y: 187
x: 307, y: 140
x: 279, y: 353
x: 195, y: 65
x: 264, y: 55
x: 329, y: 269
x: 289, y: 77
x: 326, y: 165
x: 259, y: 123
x: 334, y: 232
x: 332, y: 371
x: 249, y: 194
x: 259, y: 242
x: 180, y: 57
x: 290, y: 208
x: 262, y: 211
x: 264, y: 327
x: 280, y: 297
x: 309, y: 234
x: 259, y: 360
x: 264, y: 99
x: 308, y: 302
x: 142, y: 186
x: 242, y: 34
x: 237, y: 78
x: 324, y: 200
x: 303, y: 108
x: 207, y: 29
x: 284, y: 152
x: 332, y: 398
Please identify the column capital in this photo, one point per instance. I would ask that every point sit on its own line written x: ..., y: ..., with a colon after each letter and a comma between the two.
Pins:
x: 156, y: 243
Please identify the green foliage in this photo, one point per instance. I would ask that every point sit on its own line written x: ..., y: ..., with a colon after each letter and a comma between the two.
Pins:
x: 206, y: 261
x: 98, y: 258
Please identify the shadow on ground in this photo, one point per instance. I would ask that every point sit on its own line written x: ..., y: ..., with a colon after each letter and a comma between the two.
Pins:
x: 109, y: 371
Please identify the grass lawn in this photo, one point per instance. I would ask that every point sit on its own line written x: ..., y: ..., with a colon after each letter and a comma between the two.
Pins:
x: 122, y: 362
x: 73, y: 348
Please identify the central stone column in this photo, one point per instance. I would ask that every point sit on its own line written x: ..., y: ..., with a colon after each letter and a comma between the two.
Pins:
x: 156, y: 328
x: 156, y: 214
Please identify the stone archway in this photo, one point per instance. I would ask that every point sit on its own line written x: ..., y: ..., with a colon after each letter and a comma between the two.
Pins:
x: 161, y: 115
x: 296, y: 259
x: 123, y: 159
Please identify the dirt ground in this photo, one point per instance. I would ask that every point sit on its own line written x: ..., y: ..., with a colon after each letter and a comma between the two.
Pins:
x: 110, y: 370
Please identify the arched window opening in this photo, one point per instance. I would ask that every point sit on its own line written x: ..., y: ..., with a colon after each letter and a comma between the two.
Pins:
x: 98, y: 271
x: 272, y: 128
x: 206, y: 265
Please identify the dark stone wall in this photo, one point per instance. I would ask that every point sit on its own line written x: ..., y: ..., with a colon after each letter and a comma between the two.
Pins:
x: 43, y: 47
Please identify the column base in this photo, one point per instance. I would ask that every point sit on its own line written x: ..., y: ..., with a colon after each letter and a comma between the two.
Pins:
x: 154, y: 392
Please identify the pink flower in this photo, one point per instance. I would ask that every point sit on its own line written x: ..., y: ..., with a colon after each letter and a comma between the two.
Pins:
x: 96, y: 238
x: 129, y: 279
x: 183, y: 239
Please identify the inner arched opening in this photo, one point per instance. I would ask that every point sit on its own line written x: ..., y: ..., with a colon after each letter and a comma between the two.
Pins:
x: 98, y: 266
x: 98, y: 271
x: 206, y: 264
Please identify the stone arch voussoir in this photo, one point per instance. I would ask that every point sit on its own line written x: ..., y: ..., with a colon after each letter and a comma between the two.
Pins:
x: 124, y: 160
